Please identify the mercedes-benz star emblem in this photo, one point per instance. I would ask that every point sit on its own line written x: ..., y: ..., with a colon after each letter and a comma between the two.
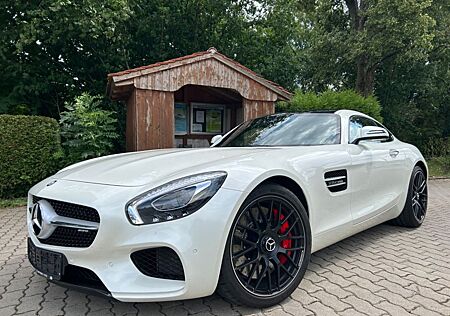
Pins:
x: 41, y: 215
x: 270, y: 244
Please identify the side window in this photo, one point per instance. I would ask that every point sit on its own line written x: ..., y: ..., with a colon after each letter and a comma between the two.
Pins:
x: 356, y: 123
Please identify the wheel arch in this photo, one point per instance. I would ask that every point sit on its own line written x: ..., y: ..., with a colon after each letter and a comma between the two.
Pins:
x: 422, y: 165
x: 289, y: 184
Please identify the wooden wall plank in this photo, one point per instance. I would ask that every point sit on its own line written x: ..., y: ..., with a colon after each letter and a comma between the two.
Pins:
x: 130, y: 137
x: 154, y: 120
x: 253, y: 109
x: 209, y: 72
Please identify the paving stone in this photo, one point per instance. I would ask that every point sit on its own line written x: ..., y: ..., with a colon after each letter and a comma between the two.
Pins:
x: 175, y: 311
x: 395, y: 288
x: 304, y: 297
x: 331, y: 301
x: 364, y: 294
x: 362, y: 306
x: 29, y: 303
x: 431, y: 304
x: 392, y: 309
x: 7, y: 311
x: 319, y: 308
x: 386, y: 270
x: 295, y: 308
x: 96, y: 303
x: 397, y: 299
x: 425, y: 312
x: 334, y: 289
x: 195, y: 306
x: 53, y: 307
x: 148, y: 309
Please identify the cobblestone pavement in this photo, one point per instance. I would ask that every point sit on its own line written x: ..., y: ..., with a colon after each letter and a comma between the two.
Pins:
x: 385, y: 270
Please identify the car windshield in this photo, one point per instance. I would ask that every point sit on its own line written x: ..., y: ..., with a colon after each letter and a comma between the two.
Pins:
x: 287, y: 129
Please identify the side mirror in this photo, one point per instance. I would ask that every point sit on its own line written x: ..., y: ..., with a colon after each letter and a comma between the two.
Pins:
x: 216, y: 139
x: 372, y: 133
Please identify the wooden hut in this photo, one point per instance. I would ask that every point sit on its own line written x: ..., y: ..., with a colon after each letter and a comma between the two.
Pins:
x: 184, y: 102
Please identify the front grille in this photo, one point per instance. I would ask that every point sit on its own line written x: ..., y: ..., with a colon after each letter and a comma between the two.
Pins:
x: 72, y: 210
x: 160, y: 262
x: 67, y: 236
x: 70, y: 237
x: 82, y: 277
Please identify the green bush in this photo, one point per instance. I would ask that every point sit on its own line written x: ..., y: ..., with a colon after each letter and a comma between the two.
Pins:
x: 436, y: 147
x: 439, y: 166
x: 30, y: 149
x: 88, y: 131
x: 332, y: 100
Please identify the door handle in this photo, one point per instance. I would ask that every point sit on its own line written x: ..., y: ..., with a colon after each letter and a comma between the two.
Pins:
x: 393, y: 153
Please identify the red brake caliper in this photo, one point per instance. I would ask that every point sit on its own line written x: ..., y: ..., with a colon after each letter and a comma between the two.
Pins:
x: 287, y: 243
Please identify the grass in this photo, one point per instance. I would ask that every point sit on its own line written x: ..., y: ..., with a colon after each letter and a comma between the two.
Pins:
x: 439, y: 166
x: 15, y: 202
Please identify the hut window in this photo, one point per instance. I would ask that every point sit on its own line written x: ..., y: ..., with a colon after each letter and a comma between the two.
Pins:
x: 207, y: 118
x: 181, y: 119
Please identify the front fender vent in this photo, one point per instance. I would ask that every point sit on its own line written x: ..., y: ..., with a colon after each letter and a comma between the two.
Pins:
x: 336, y: 180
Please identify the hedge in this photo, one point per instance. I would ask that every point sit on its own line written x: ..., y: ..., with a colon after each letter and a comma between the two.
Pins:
x: 332, y: 100
x: 29, y: 151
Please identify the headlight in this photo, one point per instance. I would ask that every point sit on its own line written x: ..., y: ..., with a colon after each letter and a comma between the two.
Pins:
x: 175, y: 199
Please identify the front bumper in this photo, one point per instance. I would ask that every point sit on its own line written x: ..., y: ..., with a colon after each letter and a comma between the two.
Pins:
x: 198, y: 240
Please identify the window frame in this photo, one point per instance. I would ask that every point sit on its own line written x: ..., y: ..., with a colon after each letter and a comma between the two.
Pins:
x: 188, y: 119
x: 377, y: 124
x: 206, y: 106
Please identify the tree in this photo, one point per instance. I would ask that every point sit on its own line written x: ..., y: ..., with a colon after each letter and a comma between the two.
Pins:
x: 352, y: 39
x: 53, y: 50
x: 416, y: 95
x: 87, y: 130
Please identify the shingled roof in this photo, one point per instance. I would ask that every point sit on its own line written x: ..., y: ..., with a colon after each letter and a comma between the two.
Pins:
x: 121, y: 79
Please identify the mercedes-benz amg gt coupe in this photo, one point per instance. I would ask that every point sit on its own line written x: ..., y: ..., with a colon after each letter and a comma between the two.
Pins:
x: 242, y: 216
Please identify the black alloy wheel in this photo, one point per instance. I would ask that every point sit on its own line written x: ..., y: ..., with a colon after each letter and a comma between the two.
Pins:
x: 419, y: 197
x: 415, y: 209
x: 268, y: 248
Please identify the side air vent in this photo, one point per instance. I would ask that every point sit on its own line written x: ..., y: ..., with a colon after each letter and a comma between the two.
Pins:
x: 161, y: 262
x: 336, y: 180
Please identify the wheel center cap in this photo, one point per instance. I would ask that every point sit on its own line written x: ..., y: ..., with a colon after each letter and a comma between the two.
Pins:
x: 270, y: 244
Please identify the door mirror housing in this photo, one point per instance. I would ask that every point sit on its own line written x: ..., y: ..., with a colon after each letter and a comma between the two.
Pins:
x: 216, y: 139
x: 372, y: 133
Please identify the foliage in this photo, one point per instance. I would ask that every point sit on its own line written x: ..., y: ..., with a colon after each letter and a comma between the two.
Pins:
x: 348, y: 41
x: 436, y: 147
x: 416, y: 95
x: 332, y: 100
x: 88, y: 131
x: 30, y: 151
x: 439, y: 166
x: 14, y: 202
x: 52, y: 50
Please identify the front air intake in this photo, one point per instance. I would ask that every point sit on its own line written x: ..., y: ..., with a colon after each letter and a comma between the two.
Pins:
x: 162, y: 263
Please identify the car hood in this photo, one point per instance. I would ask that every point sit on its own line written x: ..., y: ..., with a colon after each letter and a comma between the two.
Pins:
x: 142, y: 168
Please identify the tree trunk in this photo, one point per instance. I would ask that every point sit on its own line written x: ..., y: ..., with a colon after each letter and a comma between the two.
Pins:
x: 364, y: 77
x: 364, y: 72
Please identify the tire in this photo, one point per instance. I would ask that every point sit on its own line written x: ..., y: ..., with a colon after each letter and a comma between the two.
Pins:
x: 415, y: 208
x: 272, y: 230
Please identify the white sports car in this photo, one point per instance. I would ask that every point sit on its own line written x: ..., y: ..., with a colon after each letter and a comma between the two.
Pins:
x: 242, y: 217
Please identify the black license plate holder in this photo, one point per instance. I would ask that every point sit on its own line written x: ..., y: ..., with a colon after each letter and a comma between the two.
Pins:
x: 49, y: 263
